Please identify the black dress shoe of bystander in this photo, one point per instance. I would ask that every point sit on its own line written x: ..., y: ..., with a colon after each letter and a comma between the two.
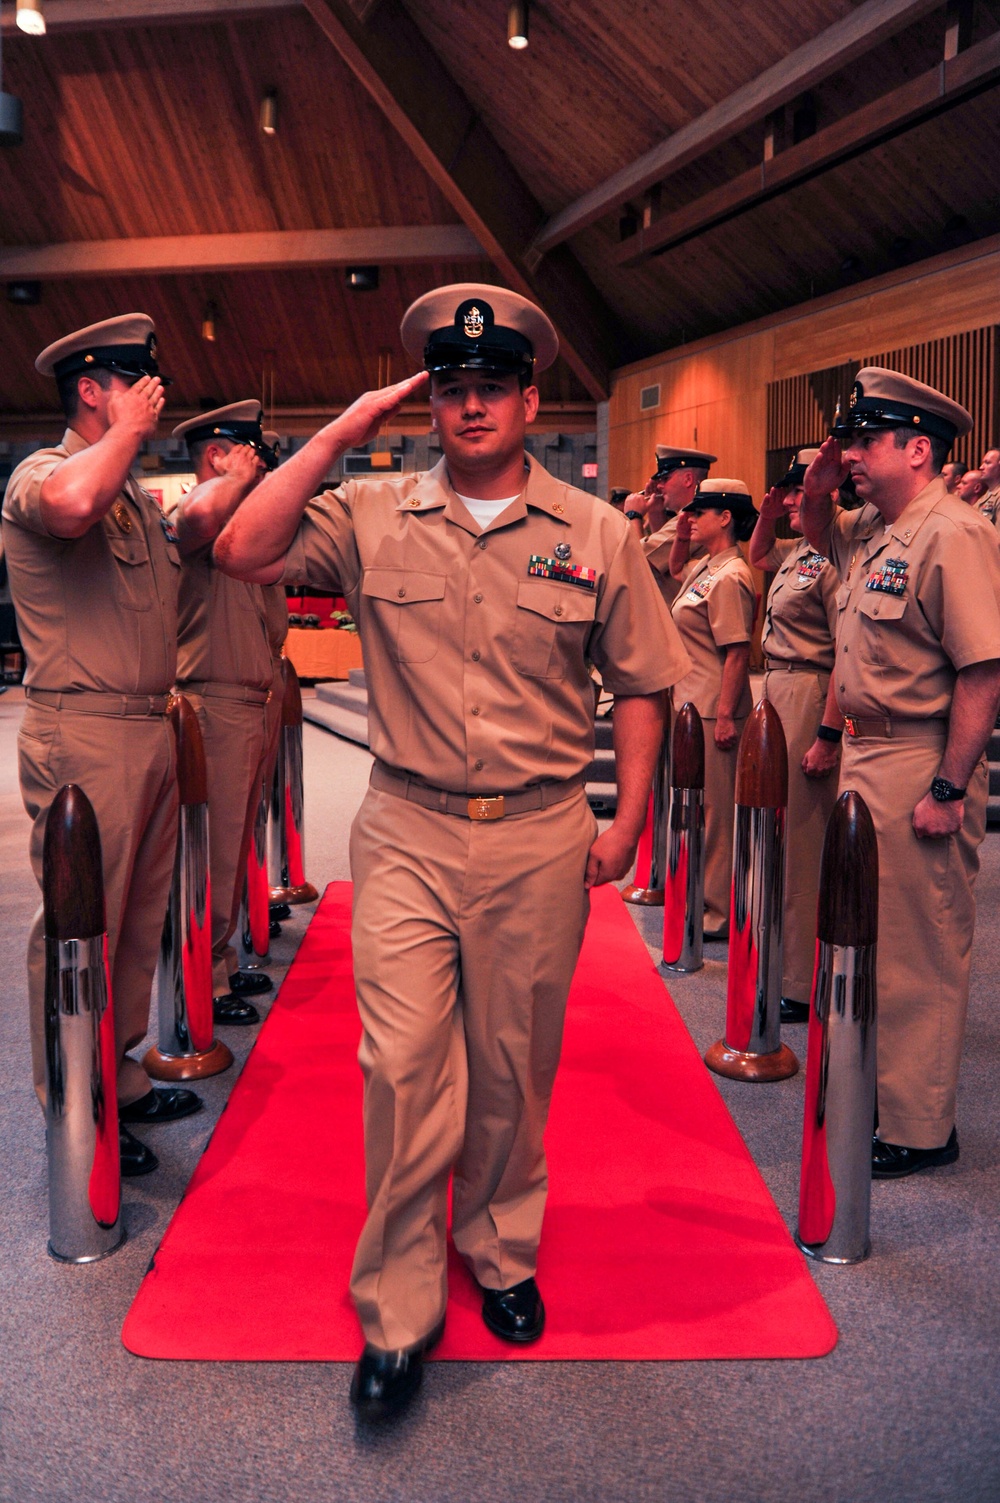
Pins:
x: 233, y: 1010
x: 515, y: 1314
x: 250, y: 983
x: 161, y: 1106
x: 893, y: 1161
x: 134, y: 1157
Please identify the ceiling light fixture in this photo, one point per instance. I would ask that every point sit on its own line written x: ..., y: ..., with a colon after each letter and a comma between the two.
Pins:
x: 28, y: 294
x: 269, y: 113
x: 31, y: 17
x: 362, y: 278
x: 208, y: 318
x: 517, y: 25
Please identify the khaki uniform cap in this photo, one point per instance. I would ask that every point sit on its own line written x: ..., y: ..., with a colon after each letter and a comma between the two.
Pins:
x: 129, y: 332
x: 669, y: 459
x: 882, y: 398
x: 479, y: 320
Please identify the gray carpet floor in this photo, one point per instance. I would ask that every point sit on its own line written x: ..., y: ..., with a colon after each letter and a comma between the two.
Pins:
x: 904, y: 1410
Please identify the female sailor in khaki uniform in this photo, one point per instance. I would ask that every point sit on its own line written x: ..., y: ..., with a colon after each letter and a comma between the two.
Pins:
x: 798, y: 643
x: 714, y: 614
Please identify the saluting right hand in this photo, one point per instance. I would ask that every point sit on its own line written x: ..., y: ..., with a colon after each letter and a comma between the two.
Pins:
x: 827, y: 471
x: 364, y: 418
x: 773, y: 505
x: 138, y: 407
x: 685, y: 524
x: 242, y: 464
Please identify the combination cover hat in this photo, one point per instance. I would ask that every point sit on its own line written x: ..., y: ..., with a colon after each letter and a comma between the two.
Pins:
x: 471, y: 326
x: 125, y: 345
x: 668, y: 460
x: 240, y: 422
x: 882, y: 398
x: 795, y: 474
x: 723, y: 495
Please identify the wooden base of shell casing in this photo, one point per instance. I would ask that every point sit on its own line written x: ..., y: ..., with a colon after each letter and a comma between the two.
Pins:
x: 779, y: 1064
x: 305, y: 893
x: 643, y: 897
x: 196, y: 1066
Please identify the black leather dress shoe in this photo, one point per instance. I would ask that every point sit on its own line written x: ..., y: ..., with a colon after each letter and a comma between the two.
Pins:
x: 162, y: 1106
x: 280, y: 911
x: 715, y: 936
x: 516, y: 1314
x: 250, y: 983
x: 135, y: 1157
x: 274, y: 929
x: 893, y: 1161
x: 794, y: 1012
x: 230, y: 1009
x: 385, y: 1382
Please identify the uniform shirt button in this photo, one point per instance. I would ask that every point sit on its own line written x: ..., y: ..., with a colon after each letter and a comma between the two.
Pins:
x: 557, y: 610
x: 478, y: 599
x: 479, y: 766
x: 475, y: 657
x: 482, y: 543
x: 475, y: 710
x: 401, y: 592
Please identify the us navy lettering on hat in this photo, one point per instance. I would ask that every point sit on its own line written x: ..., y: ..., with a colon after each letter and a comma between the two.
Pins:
x: 882, y: 398
x: 125, y: 345
x: 472, y: 326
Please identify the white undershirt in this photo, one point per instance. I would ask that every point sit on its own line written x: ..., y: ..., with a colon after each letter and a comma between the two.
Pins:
x: 485, y: 512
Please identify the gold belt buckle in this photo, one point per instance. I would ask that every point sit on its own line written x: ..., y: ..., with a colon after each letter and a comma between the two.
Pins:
x: 486, y: 808
x: 851, y: 725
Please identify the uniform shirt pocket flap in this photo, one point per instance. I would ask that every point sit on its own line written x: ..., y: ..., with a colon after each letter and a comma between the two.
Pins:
x: 882, y: 606
x: 129, y: 548
x: 556, y: 602
x: 403, y: 586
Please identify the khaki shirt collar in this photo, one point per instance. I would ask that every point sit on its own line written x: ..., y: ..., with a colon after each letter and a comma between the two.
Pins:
x: 713, y: 565
x: 541, y: 492
x: 915, y: 514
x: 73, y: 443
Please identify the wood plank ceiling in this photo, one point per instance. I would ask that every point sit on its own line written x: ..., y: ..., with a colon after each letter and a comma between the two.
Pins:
x: 137, y: 131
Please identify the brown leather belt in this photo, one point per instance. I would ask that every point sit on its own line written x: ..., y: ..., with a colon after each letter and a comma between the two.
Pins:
x: 776, y: 665
x: 892, y: 728
x: 237, y: 692
x: 486, y: 807
x: 94, y: 702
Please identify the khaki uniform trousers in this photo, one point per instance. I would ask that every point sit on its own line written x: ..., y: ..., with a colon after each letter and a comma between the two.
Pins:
x: 127, y: 767
x: 800, y: 699
x: 720, y: 805
x: 926, y: 917
x: 235, y: 752
x: 465, y: 937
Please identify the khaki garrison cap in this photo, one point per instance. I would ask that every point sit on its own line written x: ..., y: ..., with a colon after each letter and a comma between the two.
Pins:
x: 668, y: 460
x: 882, y: 398
x: 723, y: 495
x: 470, y: 326
x: 124, y: 345
x: 240, y: 422
x: 797, y: 469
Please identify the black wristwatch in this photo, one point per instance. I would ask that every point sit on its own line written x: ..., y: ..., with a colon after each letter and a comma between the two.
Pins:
x: 634, y: 516
x: 945, y: 792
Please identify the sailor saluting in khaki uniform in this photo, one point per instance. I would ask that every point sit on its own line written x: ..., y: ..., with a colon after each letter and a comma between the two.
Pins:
x: 653, y: 511
x: 798, y: 643
x: 918, y: 680
x: 481, y: 590
x: 94, y: 572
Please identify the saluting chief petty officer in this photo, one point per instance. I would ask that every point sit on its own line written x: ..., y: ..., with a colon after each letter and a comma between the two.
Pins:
x: 94, y: 571
x: 918, y: 681
x: 225, y: 667
x: 798, y: 645
x: 653, y: 511
x: 481, y: 590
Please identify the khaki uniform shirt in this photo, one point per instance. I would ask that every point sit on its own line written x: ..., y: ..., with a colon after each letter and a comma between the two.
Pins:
x: 222, y: 625
x: 989, y: 505
x: 98, y: 612
x: 920, y: 600
x: 801, y: 616
x: 657, y: 547
x: 714, y: 610
x: 475, y: 651
x: 275, y: 617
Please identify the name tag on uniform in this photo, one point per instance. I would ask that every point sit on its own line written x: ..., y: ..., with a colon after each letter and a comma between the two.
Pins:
x: 700, y: 590
x: 563, y: 573
x: 890, y: 579
x: 811, y: 567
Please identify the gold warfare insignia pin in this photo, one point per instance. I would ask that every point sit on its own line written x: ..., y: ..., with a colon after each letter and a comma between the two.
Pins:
x: 473, y: 323
x: 120, y: 513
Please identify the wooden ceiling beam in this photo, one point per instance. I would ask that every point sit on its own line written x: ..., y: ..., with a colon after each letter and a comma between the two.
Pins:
x: 819, y: 58
x: 86, y: 15
x: 172, y: 255
x: 396, y: 64
x: 933, y: 92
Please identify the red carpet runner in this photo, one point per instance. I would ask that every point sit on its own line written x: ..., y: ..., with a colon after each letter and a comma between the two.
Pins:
x: 661, y: 1240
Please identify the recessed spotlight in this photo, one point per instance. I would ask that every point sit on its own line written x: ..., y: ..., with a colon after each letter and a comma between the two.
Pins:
x: 517, y: 25
x: 269, y: 113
